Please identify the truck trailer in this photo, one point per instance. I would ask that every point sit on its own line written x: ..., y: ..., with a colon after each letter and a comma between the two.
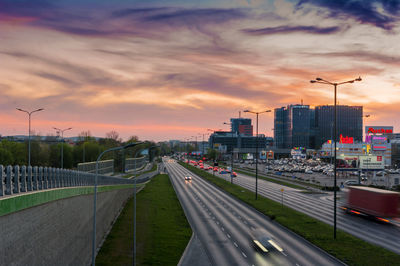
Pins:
x: 379, y: 204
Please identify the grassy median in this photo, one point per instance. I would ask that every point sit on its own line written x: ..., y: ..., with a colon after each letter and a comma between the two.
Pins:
x: 347, y: 248
x: 162, y: 229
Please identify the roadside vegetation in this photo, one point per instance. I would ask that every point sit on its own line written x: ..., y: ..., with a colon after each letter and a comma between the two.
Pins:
x: 347, y: 248
x: 162, y: 229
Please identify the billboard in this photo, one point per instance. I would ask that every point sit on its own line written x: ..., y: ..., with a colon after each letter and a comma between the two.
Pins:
x: 347, y: 162
x: 363, y: 162
x: 263, y: 155
x: 270, y: 155
x: 378, y: 129
x: 248, y: 156
x: 368, y: 162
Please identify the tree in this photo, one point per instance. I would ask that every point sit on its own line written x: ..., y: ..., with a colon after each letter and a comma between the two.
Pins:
x: 6, y: 157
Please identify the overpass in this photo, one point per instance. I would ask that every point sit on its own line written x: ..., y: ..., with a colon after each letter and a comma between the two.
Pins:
x: 46, y: 214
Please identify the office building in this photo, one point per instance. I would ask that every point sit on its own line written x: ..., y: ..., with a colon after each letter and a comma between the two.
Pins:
x: 348, y: 123
x: 242, y: 126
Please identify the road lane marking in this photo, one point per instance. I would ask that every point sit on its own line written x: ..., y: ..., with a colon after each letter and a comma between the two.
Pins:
x: 223, y: 229
x: 284, y: 254
x: 236, y: 245
x: 244, y: 255
x: 297, y: 264
x: 228, y: 235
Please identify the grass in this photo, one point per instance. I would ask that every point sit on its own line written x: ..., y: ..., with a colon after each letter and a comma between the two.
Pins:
x: 162, y: 229
x: 283, y: 182
x: 270, y: 179
x: 347, y: 248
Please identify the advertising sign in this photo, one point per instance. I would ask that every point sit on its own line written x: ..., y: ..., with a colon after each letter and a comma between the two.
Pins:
x: 270, y: 155
x: 263, y: 155
x: 379, y: 129
x: 368, y: 162
x: 250, y: 156
x: 346, y: 162
x: 363, y: 162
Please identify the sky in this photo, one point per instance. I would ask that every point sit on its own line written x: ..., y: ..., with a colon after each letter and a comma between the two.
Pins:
x: 164, y: 70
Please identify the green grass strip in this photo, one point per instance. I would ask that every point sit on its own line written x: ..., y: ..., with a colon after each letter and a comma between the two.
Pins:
x: 347, y: 248
x: 162, y: 229
x: 270, y: 179
x: 22, y: 201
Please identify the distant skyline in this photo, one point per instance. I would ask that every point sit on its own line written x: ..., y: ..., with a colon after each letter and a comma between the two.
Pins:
x: 165, y: 70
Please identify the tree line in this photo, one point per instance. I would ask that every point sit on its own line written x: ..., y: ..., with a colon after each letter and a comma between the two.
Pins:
x: 47, y: 152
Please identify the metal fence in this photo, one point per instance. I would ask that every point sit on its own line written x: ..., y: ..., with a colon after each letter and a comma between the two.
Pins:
x: 18, y: 179
x: 130, y: 163
x: 105, y: 167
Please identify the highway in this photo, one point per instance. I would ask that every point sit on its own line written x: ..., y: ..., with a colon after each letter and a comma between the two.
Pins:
x: 320, y: 206
x: 224, y: 226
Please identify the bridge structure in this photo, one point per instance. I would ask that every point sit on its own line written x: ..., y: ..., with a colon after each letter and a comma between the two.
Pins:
x: 46, y: 214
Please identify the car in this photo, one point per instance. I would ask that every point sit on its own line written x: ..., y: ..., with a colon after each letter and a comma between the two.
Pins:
x: 263, y: 242
x: 223, y: 171
x: 350, y: 183
x: 215, y: 169
x: 234, y: 174
x: 188, y: 178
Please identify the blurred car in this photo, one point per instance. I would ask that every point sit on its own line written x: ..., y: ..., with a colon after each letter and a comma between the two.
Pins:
x: 263, y: 243
x: 215, y: 169
x: 223, y: 171
x: 351, y: 183
x: 201, y: 166
x: 234, y: 174
x: 188, y: 178
x: 209, y: 168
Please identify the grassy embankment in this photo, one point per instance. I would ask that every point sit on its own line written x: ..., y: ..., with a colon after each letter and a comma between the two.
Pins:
x: 346, y: 247
x: 162, y: 229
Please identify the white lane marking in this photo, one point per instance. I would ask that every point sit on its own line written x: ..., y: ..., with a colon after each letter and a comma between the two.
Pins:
x: 297, y: 264
x: 223, y: 229
x: 228, y: 235
x: 284, y: 254
x: 244, y: 255
x: 236, y: 245
x: 252, y: 228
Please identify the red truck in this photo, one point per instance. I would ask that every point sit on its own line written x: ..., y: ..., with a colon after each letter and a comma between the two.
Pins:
x: 379, y: 204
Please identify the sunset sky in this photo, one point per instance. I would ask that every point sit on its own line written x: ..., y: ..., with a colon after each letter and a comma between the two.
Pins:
x: 173, y: 69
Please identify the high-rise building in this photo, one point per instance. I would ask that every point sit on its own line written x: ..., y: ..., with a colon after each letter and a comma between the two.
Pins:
x: 242, y: 126
x: 348, y: 123
x: 293, y: 126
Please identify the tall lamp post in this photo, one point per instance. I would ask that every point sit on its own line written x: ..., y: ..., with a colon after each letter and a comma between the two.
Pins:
x: 257, y: 113
x: 134, y: 204
x: 95, y: 196
x: 334, y: 84
x: 29, y: 130
x: 62, y: 143
x: 225, y: 123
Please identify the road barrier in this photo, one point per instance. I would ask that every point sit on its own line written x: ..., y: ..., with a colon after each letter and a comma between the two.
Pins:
x: 105, y: 167
x: 19, y: 179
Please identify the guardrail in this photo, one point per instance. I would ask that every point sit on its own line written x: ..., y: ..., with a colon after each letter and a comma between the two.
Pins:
x: 19, y: 179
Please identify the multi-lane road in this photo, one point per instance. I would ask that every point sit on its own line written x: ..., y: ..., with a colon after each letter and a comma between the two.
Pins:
x: 224, y: 226
x: 320, y: 206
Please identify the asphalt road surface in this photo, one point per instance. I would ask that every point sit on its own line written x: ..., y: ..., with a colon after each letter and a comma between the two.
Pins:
x: 224, y: 226
x: 320, y: 206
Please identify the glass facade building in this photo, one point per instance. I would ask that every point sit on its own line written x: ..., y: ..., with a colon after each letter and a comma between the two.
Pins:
x: 242, y: 126
x: 348, y: 124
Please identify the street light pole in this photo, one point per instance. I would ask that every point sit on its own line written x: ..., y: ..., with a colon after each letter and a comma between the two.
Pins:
x: 334, y: 84
x: 95, y: 196
x: 62, y: 143
x: 29, y: 133
x: 257, y: 113
x: 225, y: 123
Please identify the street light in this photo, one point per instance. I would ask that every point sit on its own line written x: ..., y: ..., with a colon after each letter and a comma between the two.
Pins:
x: 62, y: 143
x: 95, y: 195
x: 225, y: 123
x: 134, y: 204
x: 334, y: 84
x: 29, y: 133
x: 257, y: 113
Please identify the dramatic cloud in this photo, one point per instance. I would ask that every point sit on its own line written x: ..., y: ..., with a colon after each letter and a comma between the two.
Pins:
x: 381, y: 13
x: 292, y: 29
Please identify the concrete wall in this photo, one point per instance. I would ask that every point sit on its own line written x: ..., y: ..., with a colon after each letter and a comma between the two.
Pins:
x: 58, y: 232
